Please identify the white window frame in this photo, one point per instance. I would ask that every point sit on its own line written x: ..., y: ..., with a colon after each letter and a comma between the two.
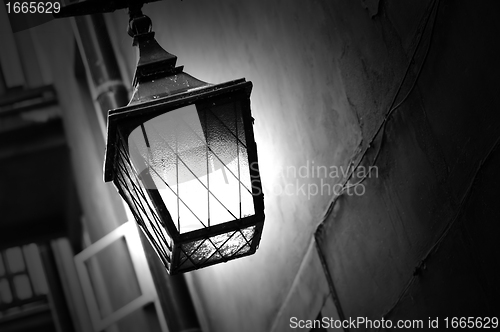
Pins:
x: 148, y: 295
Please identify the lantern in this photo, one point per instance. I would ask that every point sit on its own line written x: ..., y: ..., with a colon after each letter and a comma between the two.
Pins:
x: 182, y: 155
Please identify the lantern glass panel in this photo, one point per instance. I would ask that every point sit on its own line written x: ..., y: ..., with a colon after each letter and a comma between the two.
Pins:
x: 196, y: 158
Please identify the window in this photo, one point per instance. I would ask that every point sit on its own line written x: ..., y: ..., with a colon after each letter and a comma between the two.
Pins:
x: 22, y: 279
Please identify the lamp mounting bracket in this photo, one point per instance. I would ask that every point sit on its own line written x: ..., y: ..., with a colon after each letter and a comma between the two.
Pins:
x: 90, y: 7
x: 153, y: 61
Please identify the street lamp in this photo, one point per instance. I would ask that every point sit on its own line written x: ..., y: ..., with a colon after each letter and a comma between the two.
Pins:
x: 182, y: 155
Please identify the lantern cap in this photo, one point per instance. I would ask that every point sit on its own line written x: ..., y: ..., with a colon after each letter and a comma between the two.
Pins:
x: 153, y: 60
x: 156, y: 75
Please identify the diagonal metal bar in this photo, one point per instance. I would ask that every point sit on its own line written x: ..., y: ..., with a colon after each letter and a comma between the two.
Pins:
x: 155, y: 230
x: 243, y: 246
x: 222, y: 256
x: 247, y: 241
x: 136, y: 187
x: 148, y: 164
x: 215, y: 154
x: 192, y: 253
x: 135, y: 203
x: 182, y: 161
x: 227, y: 128
x: 151, y: 192
x: 178, y: 197
x: 140, y: 194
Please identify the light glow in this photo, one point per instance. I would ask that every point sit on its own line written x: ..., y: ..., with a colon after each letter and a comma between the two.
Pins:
x: 197, y: 161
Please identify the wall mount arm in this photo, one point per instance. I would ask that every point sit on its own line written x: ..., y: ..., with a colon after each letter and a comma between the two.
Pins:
x: 90, y: 7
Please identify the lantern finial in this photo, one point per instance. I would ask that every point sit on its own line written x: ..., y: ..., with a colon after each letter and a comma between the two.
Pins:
x: 153, y: 60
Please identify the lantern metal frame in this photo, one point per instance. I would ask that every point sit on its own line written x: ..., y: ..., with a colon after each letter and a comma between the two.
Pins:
x: 161, y: 87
